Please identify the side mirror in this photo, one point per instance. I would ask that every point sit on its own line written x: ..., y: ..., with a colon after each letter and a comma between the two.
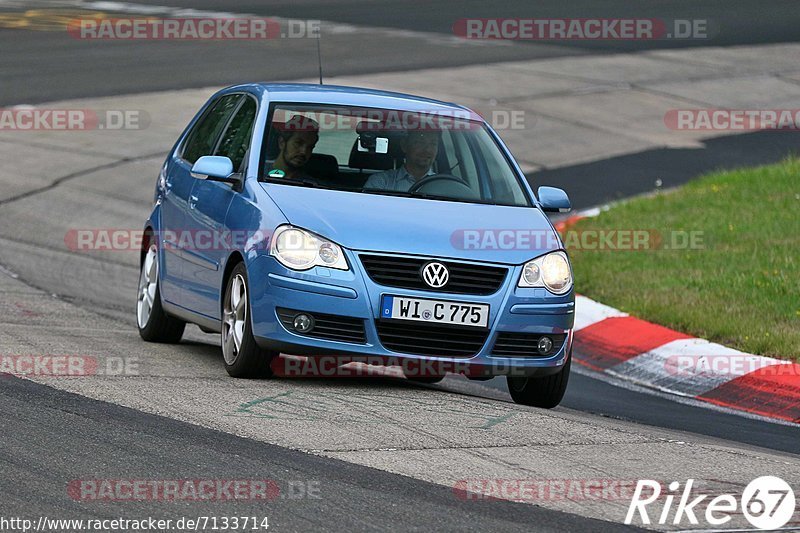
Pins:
x: 554, y: 200
x: 214, y: 168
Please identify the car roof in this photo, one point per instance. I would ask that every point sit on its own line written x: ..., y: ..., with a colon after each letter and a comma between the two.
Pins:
x: 359, y: 96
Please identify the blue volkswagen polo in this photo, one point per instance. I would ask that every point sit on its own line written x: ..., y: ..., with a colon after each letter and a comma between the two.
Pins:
x: 345, y: 222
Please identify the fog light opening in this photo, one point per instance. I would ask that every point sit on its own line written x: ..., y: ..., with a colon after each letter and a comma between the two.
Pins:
x: 303, y: 323
x: 545, y: 345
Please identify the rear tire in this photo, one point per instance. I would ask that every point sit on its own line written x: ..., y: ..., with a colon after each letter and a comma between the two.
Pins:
x: 546, y: 391
x: 155, y: 325
x: 243, y: 357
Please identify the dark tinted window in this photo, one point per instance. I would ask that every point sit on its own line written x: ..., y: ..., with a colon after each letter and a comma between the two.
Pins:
x: 236, y: 139
x: 203, y: 137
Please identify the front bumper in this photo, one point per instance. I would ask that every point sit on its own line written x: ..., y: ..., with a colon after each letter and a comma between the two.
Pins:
x: 354, y: 294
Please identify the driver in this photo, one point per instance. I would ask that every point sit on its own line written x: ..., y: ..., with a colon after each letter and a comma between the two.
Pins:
x: 420, y: 149
x: 296, y: 141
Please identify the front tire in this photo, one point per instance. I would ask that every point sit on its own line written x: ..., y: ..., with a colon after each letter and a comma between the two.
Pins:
x: 155, y: 325
x: 546, y: 391
x: 243, y: 357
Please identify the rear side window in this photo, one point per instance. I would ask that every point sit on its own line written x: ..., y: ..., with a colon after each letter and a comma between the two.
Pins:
x: 204, y: 135
x: 236, y: 139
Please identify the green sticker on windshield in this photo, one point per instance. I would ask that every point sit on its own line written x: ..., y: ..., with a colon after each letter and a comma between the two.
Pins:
x: 277, y: 173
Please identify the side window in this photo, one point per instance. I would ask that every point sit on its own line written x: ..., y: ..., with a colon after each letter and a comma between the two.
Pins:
x: 236, y: 139
x: 204, y: 135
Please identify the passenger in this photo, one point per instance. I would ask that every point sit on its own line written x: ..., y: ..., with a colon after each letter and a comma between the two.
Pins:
x: 296, y: 141
x: 420, y: 149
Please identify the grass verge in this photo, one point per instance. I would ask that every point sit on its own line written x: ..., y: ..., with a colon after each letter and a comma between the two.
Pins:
x: 718, y: 258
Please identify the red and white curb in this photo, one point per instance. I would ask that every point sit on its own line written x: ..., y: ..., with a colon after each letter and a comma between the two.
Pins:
x: 610, y: 341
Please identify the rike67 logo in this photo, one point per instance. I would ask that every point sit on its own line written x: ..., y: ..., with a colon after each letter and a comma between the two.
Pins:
x: 767, y: 502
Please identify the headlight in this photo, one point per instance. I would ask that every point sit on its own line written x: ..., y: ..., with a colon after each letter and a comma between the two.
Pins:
x: 551, y: 271
x: 299, y: 249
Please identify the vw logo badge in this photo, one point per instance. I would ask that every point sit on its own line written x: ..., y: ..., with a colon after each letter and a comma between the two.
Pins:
x: 435, y: 274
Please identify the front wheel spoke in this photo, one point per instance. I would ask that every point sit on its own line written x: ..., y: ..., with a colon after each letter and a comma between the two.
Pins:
x: 150, y: 266
x: 148, y: 285
x: 228, y: 319
x: 233, y: 318
x: 236, y: 295
x: 240, y: 307
x: 238, y: 334
x: 229, y: 343
x: 236, y: 344
x: 150, y: 294
x: 144, y: 313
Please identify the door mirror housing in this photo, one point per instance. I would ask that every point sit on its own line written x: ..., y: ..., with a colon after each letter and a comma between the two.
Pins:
x: 554, y: 200
x: 214, y: 168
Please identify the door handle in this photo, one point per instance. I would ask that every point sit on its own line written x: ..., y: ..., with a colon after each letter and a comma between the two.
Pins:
x: 192, y: 201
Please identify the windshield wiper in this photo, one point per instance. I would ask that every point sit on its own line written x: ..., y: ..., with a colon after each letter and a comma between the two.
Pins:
x: 297, y: 182
x: 428, y: 196
x: 389, y: 193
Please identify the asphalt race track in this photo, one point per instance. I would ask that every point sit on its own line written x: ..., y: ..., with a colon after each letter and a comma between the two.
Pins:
x: 354, y: 498
x: 382, y: 453
x: 42, y: 65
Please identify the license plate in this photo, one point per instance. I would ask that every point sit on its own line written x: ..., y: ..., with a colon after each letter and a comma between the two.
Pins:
x: 435, y: 311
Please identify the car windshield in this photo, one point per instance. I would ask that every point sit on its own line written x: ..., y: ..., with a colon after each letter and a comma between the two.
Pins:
x: 438, y: 156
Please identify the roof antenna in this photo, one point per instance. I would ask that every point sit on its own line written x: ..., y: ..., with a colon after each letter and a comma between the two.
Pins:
x: 319, y: 54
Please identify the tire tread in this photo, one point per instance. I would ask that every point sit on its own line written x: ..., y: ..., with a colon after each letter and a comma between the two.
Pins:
x: 545, y: 392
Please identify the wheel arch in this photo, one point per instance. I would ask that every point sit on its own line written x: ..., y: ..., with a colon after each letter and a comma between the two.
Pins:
x: 147, y: 236
x: 233, y: 259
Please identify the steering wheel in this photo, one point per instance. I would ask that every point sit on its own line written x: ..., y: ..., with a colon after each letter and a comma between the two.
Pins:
x: 437, y: 177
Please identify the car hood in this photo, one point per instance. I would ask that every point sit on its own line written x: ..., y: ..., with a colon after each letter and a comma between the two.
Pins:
x: 372, y: 222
